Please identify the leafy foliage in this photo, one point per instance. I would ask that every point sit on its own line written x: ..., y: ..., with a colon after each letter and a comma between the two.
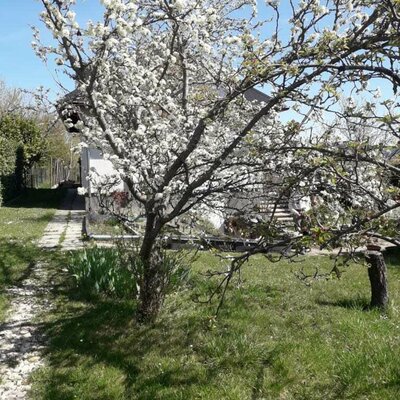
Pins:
x: 116, y: 272
x: 25, y: 132
x: 21, y: 145
x: 19, y: 168
x: 7, y: 156
x: 7, y: 165
x: 99, y: 271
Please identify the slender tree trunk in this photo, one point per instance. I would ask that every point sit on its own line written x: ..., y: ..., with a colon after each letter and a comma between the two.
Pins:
x: 378, y: 279
x: 152, y: 281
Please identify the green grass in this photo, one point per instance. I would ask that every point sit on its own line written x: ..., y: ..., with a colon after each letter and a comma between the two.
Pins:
x: 26, y: 217
x: 275, y: 339
x: 106, y: 227
x: 22, y: 222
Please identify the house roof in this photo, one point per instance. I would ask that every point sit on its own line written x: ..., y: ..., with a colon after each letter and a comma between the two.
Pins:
x: 253, y: 94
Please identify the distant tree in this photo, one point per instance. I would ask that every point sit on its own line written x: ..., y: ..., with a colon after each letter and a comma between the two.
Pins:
x: 348, y: 171
x: 11, y: 100
x: 26, y: 133
x: 59, y: 143
x: 31, y: 134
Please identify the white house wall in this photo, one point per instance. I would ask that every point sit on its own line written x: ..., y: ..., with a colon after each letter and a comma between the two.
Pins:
x: 92, y: 160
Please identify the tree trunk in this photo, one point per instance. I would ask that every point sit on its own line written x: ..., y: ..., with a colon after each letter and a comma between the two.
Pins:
x: 152, y: 282
x: 152, y: 287
x: 378, y: 279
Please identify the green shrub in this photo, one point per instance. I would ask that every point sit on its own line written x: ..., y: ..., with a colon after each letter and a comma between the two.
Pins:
x: 8, y: 187
x: 100, y: 271
x: 7, y: 166
x: 19, y: 168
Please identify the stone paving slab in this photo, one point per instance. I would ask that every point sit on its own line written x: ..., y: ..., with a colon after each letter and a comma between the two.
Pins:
x: 73, y: 231
x: 68, y: 220
x: 54, y: 230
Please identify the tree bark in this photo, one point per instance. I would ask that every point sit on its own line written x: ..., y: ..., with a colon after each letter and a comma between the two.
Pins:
x: 152, y: 282
x: 378, y: 279
x: 152, y: 288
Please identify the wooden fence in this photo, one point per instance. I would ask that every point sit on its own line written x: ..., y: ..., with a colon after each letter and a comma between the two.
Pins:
x: 52, y: 175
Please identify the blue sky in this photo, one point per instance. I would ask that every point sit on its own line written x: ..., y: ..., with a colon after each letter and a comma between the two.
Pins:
x: 19, y: 66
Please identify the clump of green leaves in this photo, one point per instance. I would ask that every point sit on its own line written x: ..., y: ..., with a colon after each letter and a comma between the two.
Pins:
x: 25, y: 132
x: 22, y: 144
x: 100, y: 271
x: 7, y: 156
x: 115, y: 272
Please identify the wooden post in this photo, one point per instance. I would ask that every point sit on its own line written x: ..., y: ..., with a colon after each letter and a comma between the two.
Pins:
x: 378, y: 279
x: 51, y: 172
x: 33, y: 186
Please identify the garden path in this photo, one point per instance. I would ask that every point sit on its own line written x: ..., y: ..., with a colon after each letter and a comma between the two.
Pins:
x: 21, y: 339
x: 65, y: 229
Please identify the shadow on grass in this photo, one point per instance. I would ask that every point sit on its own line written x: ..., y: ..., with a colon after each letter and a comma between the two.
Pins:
x: 260, y: 377
x: 392, y: 256
x: 97, y: 351
x: 16, y: 261
x: 104, y: 333
x: 38, y: 198
x: 44, y: 218
x: 96, y: 347
x: 361, y: 304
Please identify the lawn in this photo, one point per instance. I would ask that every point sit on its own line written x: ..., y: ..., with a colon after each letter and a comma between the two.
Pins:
x: 275, y: 338
x: 21, y: 223
x: 25, y: 218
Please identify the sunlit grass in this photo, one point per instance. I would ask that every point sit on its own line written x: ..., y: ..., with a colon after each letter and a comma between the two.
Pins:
x: 22, y: 222
x: 274, y: 339
x: 26, y: 217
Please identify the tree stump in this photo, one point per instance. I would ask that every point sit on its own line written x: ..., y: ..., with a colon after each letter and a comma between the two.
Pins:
x: 378, y: 279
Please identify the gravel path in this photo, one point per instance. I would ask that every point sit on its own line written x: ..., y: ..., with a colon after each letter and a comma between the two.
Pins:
x: 21, y: 341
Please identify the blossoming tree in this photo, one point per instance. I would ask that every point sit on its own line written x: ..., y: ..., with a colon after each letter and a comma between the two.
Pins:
x: 163, y: 83
x: 349, y: 174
